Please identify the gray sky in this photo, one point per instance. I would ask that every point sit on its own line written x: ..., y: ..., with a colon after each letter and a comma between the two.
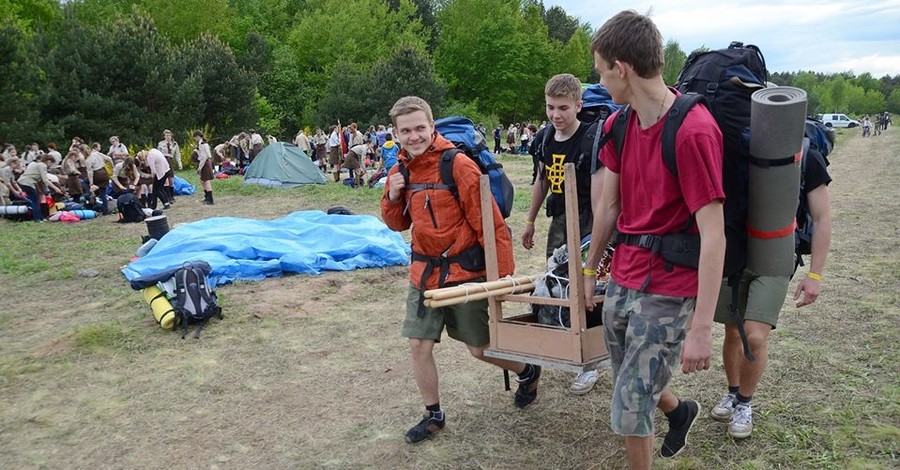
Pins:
x: 820, y: 35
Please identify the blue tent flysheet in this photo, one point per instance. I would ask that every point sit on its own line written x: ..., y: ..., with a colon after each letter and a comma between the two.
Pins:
x: 302, y: 242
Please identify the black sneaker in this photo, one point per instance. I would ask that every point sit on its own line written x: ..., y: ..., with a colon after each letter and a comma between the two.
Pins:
x: 676, y: 438
x: 428, y: 426
x: 527, y: 391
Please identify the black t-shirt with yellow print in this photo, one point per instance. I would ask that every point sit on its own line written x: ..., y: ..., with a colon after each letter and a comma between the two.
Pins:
x: 554, y: 156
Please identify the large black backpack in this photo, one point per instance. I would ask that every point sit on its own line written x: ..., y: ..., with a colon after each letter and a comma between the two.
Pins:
x: 195, y: 301
x: 130, y: 210
x: 727, y: 78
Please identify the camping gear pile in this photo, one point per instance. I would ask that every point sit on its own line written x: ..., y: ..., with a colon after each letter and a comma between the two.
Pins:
x: 181, y: 296
x: 177, y: 270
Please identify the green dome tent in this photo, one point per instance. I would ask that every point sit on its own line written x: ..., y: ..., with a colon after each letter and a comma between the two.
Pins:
x: 283, y: 165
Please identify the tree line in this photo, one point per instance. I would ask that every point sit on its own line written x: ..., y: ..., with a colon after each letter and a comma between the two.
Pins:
x: 92, y: 68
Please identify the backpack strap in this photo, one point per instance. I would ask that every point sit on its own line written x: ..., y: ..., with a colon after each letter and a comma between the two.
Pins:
x: 447, y: 172
x: 677, y: 113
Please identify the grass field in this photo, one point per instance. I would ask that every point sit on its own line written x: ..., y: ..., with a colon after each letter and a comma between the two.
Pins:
x: 310, y: 372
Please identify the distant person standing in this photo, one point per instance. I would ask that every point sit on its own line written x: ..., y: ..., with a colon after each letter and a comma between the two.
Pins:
x: 256, y: 144
x: 170, y: 149
x: 498, y: 131
x: 319, y: 139
x: 71, y: 167
x: 303, y: 142
x: 511, y: 137
x: 98, y: 178
x: 205, y: 169
x: 51, y: 150
x: 334, y: 152
x: 117, y: 150
x: 389, y: 152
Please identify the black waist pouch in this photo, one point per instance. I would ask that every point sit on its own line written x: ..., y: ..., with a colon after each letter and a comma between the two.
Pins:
x: 682, y: 249
x: 471, y: 259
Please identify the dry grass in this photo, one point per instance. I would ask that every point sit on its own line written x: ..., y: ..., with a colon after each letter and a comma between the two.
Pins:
x: 310, y: 372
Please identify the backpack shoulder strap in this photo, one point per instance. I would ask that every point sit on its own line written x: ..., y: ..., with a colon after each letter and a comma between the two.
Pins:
x: 619, y: 126
x: 677, y: 113
x: 401, y: 168
x: 548, y: 134
x: 447, y: 171
x: 616, y: 135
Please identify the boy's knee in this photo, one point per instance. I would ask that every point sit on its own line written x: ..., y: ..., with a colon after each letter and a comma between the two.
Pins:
x: 419, y: 347
x: 756, y: 340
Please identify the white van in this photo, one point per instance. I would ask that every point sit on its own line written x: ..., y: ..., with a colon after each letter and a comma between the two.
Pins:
x: 839, y: 120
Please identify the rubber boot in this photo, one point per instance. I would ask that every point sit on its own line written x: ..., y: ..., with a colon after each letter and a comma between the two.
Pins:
x: 337, y: 177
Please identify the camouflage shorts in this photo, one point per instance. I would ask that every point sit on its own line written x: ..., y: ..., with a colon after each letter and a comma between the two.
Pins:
x: 644, y: 334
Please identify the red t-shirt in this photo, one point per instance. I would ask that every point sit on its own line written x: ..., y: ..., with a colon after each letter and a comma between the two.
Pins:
x: 654, y: 202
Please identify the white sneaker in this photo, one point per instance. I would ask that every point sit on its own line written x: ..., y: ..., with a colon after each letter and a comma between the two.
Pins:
x: 741, y: 421
x: 725, y: 408
x: 584, y: 382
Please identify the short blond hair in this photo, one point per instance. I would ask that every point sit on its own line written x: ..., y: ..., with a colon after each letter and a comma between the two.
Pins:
x: 408, y: 105
x: 564, y: 85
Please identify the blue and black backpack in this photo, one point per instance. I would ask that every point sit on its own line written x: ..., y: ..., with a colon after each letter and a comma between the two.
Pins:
x: 469, y: 141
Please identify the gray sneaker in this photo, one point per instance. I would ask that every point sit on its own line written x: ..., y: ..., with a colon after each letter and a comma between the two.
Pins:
x: 584, y: 382
x: 741, y: 421
x: 725, y: 408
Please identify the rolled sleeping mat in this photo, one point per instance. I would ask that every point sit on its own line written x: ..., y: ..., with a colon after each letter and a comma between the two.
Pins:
x: 777, y: 123
x: 162, y: 309
x: 13, y: 210
x: 84, y: 213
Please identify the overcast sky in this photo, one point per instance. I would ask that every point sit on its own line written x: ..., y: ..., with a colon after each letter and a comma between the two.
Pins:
x: 823, y: 36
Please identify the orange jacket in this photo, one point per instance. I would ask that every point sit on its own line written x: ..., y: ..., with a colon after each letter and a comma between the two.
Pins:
x: 455, y: 226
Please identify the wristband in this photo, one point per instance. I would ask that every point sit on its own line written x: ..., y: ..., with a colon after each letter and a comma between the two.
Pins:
x: 588, y: 272
x: 529, y: 222
x: 814, y: 276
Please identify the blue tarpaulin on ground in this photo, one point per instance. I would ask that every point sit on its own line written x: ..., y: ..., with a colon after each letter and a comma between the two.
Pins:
x: 182, y: 187
x: 302, y: 242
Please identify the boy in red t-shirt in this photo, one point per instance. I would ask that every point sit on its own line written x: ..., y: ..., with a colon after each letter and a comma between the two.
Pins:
x: 653, y: 312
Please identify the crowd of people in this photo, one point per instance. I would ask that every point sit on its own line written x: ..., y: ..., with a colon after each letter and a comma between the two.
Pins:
x: 91, y: 178
x: 519, y: 137
x: 351, y: 149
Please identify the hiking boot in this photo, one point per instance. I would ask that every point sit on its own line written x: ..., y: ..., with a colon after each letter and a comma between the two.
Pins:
x: 741, y: 421
x: 584, y: 382
x: 725, y: 408
x: 428, y: 426
x: 527, y: 391
x: 676, y: 438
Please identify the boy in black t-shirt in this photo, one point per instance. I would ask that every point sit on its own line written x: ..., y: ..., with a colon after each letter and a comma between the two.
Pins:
x: 561, y: 145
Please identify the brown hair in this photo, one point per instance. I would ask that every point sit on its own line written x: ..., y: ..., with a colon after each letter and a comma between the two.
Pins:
x: 129, y: 168
x: 408, y: 105
x: 631, y: 38
x: 564, y: 85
